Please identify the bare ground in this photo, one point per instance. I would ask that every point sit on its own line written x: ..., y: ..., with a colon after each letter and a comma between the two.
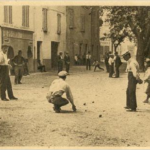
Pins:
x: 100, y: 120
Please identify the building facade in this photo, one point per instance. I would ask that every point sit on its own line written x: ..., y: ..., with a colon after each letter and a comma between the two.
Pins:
x: 16, y: 30
x: 82, y: 33
x: 50, y: 34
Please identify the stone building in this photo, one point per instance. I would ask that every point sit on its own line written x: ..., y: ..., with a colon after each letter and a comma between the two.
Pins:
x: 16, y: 30
x: 50, y: 34
x: 82, y: 31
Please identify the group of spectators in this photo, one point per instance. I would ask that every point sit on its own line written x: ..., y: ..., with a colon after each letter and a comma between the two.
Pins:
x: 113, y: 62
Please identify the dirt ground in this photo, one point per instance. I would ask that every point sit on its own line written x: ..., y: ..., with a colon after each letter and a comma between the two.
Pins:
x: 102, y: 121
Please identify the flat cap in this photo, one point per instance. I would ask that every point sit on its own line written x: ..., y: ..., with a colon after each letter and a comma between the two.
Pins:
x: 125, y: 53
x: 62, y: 74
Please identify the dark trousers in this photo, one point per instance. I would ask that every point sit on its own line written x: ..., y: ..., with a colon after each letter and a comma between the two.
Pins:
x: 60, y: 67
x: 107, y: 67
x: 5, y: 83
x: 59, y: 101
x: 111, y: 70
x: 98, y: 66
x: 88, y: 64
x: 18, y: 74
x: 131, y: 91
x: 117, y: 72
x: 42, y: 68
x: 67, y: 67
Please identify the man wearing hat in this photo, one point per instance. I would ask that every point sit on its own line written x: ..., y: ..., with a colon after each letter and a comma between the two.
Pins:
x: 117, y: 64
x: 133, y: 79
x: 67, y: 62
x: 56, y: 91
x: 60, y: 62
x: 5, y: 83
x: 88, y: 61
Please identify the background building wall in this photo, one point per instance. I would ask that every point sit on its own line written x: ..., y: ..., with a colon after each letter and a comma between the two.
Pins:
x: 51, y: 35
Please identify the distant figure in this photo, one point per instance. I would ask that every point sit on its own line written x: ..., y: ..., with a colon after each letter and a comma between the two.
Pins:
x: 117, y: 64
x: 97, y: 65
x: 88, y: 61
x: 67, y: 62
x: 147, y: 80
x: 41, y: 67
x: 106, y: 61
x: 26, y: 70
x: 111, y: 65
x: 60, y: 62
x: 76, y: 59
x: 19, y: 63
x: 56, y: 91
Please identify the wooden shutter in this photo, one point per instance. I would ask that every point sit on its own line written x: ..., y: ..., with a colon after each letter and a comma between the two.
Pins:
x: 58, y: 24
x: 71, y: 18
x: 82, y: 23
x: 44, y: 20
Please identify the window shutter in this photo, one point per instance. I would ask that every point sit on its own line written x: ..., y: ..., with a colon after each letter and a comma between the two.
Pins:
x: 82, y: 23
x: 58, y: 24
x: 10, y: 14
x: 44, y: 20
x: 71, y: 18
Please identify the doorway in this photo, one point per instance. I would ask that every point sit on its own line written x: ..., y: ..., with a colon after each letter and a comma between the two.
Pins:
x: 54, y: 51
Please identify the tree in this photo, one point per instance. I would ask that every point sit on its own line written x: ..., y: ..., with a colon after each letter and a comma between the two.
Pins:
x: 132, y: 22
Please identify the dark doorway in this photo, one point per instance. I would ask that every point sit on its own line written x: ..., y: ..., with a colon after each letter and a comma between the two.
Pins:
x: 39, y: 43
x: 10, y: 53
x: 54, y: 50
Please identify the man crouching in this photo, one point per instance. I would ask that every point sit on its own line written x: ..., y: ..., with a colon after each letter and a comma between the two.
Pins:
x: 57, y: 89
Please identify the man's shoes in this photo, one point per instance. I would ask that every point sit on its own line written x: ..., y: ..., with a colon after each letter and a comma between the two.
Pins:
x: 5, y: 99
x: 19, y: 83
x: 57, y: 110
x: 146, y: 101
x: 13, y: 98
x: 127, y: 107
x: 132, y: 110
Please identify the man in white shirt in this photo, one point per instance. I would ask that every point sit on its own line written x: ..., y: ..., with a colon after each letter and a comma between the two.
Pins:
x: 5, y: 83
x: 56, y: 91
x: 88, y: 61
x: 133, y: 78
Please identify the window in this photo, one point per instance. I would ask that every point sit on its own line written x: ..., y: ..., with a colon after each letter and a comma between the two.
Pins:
x: 8, y: 14
x: 58, y: 24
x: 44, y: 20
x: 82, y: 23
x: 25, y: 16
x: 71, y: 18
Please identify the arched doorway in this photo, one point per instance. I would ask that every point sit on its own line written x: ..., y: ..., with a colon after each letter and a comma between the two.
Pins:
x: 10, y: 55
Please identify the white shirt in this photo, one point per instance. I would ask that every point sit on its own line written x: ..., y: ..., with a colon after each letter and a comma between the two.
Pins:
x: 133, y: 66
x: 59, y: 87
x: 88, y: 56
x: 110, y: 61
x: 147, y: 74
x: 3, y: 59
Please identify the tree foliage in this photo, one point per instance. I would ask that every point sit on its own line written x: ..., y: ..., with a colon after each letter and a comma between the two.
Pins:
x: 132, y: 22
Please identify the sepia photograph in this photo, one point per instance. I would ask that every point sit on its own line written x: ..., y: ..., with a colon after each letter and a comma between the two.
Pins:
x: 74, y: 74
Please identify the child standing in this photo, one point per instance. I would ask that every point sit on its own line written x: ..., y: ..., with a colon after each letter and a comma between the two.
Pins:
x: 97, y: 65
x: 147, y: 79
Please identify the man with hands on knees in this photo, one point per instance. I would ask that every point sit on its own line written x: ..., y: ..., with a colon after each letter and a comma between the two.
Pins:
x: 56, y: 91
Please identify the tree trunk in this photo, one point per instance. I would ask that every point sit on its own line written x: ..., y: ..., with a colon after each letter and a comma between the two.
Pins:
x: 140, y: 53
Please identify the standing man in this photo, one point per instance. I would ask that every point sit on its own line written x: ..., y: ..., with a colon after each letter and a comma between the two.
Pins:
x: 5, y: 83
x: 88, y: 61
x: 56, y: 91
x: 67, y: 62
x: 106, y: 61
x: 133, y: 79
x: 117, y: 64
x: 19, y: 63
x: 111, y: 65
x: 60, y: 62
